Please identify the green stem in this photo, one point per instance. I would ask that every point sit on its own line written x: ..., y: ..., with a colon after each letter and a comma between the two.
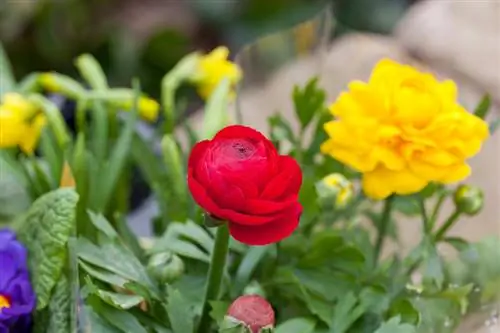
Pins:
x: 425, y: 219
x: 384, y: 224
x: 435, y: 212
x: 447, y: 225
x: 215, y: 273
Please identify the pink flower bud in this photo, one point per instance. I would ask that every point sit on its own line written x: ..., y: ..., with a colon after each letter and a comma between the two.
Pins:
x: 252, y: 311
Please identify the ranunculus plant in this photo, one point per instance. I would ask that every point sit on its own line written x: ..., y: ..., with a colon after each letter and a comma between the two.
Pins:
x: 254, y: 231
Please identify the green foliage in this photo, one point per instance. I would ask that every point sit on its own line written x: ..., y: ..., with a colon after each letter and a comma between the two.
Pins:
x: 45, y: 230
x: 308, y: 101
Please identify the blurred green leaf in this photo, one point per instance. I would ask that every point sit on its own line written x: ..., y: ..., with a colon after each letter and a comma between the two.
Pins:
x: 7, y: 81
x: 91, y: 71
x: 483, y: 107
x: 216, y: 110
x: 123, y: 320
x: 308, y: 101
x: 281, y: 129
x: 219, y: 309
x: 297, y: 325
x: 180, y: 312
x: 394, y: 325
x: 346, y: 312
x: 404, y: 309
x: 246, y: 268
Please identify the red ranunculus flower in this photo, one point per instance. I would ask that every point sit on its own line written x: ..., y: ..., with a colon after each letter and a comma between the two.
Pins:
x: 238, y: 176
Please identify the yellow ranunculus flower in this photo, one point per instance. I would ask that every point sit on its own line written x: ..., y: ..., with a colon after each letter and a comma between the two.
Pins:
x: 20, y: 125
x: 212, y: 69
x: 403, y: 129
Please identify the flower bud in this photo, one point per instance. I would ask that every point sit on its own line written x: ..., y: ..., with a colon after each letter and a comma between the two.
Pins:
x: 335, y: 188
x: 251, y: 313
x: 469, y: 199
x: 165, y: 267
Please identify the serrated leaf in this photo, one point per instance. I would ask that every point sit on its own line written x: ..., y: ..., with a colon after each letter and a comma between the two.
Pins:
x: 60, y: 307
x: 180, y: 312
x: 45, y: 231
x: 297, y: 325
x: 394, y: 325
x: 308, y: 101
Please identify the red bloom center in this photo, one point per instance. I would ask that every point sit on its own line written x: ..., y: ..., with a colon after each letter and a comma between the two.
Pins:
x: 4, y: 302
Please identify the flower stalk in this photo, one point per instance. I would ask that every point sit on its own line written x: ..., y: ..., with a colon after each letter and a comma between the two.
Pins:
x: 447, y: 225
x: 383, y: 227
x: 215, y: 273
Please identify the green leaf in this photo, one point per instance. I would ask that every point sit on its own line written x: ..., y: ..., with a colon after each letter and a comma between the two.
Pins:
x: 96, y: 324
x: 433, y: 268
x: 308, y: 101
x: 216, y: 113
x: 103, y: 275
x: 187, y: 240
x: 281, y: 129
x: 91, y: 71
x: 14, y: 199
x: 100, y: 222
x: 119, y: 301
x: 52, y: 155
x: 60, y: 307
x: 172, y: 158
x: 180, y: 312
x: 483, y: 107
x: 7, y: 81
x: 297, y: 325
x: 346, y: 312
x: 247, y: 266
x: 55, y: 119
x: 458, y: 243
x: 219, y: 310
x: 404, y: 309
x: 123, y: 320
x: 394, y: 325
x: 45, y: 231
x: 117, y: 259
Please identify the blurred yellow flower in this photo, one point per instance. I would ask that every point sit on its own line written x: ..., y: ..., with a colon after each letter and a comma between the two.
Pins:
x: 148, y: 108
x: 20, y: 123
x: 338, y: 186
x: 402, y: 130
x: 212, y: 69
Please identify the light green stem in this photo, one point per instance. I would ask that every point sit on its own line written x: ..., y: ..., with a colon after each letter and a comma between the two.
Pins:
x: 447, y: 225
x: 215, y: 273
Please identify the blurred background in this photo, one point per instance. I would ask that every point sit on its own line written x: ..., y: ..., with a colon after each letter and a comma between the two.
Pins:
x: 145, y: 38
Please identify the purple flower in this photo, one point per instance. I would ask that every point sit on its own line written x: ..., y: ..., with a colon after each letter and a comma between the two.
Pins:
x: 17, y: 298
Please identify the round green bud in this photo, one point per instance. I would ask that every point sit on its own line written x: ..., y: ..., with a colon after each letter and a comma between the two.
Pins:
x: 166, y: 267
x: 335, y: 189
x: 469, y: 199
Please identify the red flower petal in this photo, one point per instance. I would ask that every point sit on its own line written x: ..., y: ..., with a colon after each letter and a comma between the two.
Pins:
x: 267, y: 233
x: 197, y: 152
x: 238, y: 132
x: 267, y: 207
x: 287, y: 182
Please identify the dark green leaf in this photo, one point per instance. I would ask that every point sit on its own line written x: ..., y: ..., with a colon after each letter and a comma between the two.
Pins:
x: 103, y: 275
x: 281, y: 129
x: 123, y: 320
x: 404, y: 309
x: 7, y: 81
x: 96, y: 324
x: 247, y: 267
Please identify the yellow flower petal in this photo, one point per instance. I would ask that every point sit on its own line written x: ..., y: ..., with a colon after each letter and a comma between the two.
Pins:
x: 381, y: 183
x: 32, y: 134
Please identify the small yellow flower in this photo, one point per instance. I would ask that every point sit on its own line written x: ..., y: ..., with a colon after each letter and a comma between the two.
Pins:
x: 336, y: 186
x: 48, y: 82
x: 148, y: 108
x: 403, y: 129
x: 20, y: 123
x: 212, y: 69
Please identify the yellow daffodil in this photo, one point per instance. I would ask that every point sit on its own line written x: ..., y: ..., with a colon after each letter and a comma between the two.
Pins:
x: 336, y: 186
x: 212, y: 69
x: 402, y: 130
x: 148, y: 108
x: 20, y: 123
